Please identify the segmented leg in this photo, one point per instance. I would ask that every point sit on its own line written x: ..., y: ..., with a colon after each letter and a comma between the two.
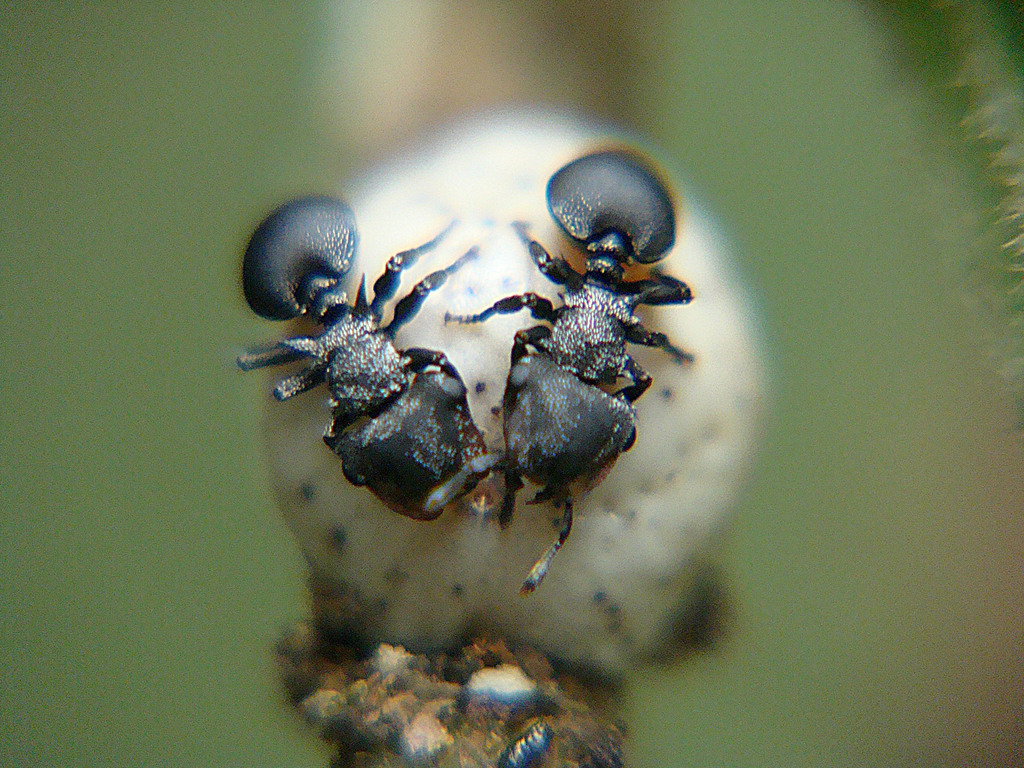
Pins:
x: 300, y: 382
x: 637, y: 334
x: 386, y: 285
x: 420, y: 358
x: 265, y: 357
x: 556, y: 270
x: 540, y: 568
x: 407, y: 307
x: 540, y: 308
x: 289, y: 351
x: 659, y: 289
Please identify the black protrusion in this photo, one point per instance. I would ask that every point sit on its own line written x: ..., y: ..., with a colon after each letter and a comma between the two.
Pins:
x: 338, y: 537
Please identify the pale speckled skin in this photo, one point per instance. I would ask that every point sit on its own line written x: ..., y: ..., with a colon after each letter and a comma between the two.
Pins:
x: 618, y: 583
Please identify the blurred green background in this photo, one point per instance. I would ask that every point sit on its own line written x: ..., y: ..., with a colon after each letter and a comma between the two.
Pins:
x: 875, y: 567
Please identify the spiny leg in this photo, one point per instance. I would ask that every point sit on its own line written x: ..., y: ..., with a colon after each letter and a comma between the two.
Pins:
x: 540, y: 568
x: 540, y: 308
x: 637, y: 334
x: 386, y: 285
x: 408, y: 306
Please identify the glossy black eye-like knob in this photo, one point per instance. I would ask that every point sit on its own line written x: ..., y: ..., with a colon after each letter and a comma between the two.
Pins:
x: 611, y: 201
x: 303, y: 248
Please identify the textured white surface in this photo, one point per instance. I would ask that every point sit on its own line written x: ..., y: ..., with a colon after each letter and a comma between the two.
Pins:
x: 505, y: 683
x: 628, y: 566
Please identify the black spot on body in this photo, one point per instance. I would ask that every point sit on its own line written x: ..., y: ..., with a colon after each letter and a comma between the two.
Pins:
x: 338, y: 537
x: 613, y: 614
